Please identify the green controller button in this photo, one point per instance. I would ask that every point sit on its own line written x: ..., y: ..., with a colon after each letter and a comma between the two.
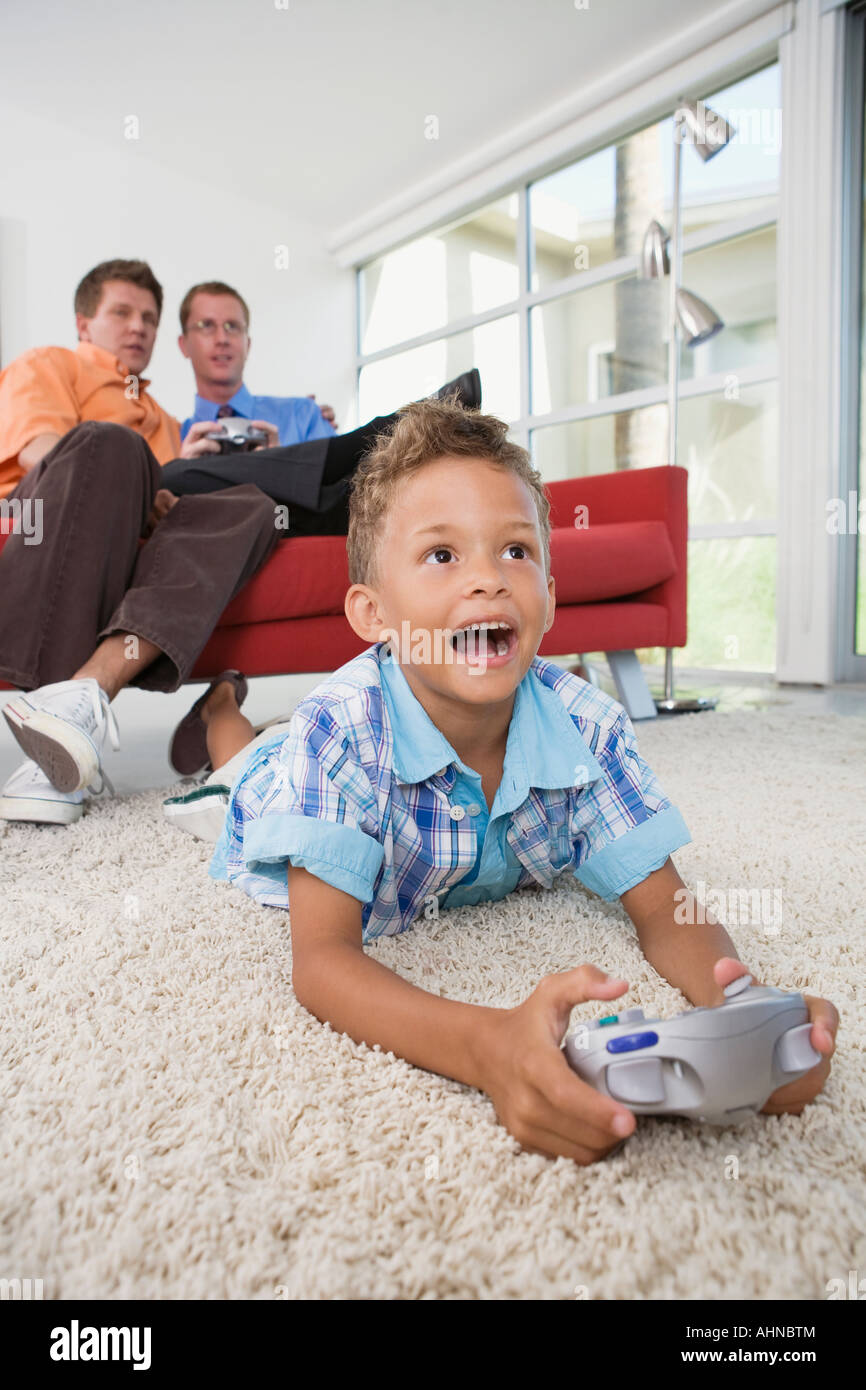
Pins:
x: 611, y: 1018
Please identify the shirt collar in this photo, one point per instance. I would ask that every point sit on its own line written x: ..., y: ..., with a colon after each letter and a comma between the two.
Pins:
x: 241, y: 403
x: 544, y: 748
x: 101, y: 357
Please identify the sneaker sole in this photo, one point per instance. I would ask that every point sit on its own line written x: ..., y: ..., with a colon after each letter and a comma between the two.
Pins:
x: 25, y: 808
x: 65, y: 755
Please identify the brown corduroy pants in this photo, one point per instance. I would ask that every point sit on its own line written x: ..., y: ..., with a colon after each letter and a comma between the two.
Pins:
x: 88, y: 576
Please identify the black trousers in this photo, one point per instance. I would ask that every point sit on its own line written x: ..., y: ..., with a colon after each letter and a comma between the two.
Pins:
x: 312, y: 479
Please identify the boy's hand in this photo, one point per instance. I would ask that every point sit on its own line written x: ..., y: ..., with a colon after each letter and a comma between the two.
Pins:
x: 792, y: 1097
x: 536, y: 1094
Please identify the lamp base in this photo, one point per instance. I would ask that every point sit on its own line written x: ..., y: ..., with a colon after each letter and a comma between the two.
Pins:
x: 685, y: 706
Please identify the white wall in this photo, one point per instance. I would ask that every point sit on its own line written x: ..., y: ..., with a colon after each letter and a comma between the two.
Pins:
x: 69, y: 202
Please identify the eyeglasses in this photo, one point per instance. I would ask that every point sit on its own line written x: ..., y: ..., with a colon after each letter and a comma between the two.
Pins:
x: 207, y: 327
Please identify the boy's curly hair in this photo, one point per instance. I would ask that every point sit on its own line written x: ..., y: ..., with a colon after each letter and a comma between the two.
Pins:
x: 425, y: 431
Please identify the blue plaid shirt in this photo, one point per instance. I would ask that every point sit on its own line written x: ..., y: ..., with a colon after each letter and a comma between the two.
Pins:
x: 367, y: 794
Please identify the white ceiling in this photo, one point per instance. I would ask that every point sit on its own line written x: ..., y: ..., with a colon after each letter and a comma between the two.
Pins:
x: 319, y: 107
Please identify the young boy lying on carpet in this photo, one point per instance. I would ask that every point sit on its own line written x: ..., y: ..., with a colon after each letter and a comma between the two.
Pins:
x: 444, y: 766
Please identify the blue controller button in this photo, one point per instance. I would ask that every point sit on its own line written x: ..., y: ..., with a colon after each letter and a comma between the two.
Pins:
x: 630, y: 1042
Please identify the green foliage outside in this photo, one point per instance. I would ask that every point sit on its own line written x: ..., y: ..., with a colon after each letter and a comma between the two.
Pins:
x: 731, y: 606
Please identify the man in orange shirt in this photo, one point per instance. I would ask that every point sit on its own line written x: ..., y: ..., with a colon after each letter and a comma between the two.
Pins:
x: 85, y: 609
x: 45, y: 392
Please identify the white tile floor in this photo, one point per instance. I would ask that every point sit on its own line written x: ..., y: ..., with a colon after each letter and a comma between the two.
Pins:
x: 146, y: 720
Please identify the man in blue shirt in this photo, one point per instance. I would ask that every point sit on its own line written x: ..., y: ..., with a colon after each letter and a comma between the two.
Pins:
x: 215, y: 322
x: 305, y: 464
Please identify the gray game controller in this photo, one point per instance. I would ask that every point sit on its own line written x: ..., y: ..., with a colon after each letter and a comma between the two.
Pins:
x: 237, y: 435
x: 719, y: 1065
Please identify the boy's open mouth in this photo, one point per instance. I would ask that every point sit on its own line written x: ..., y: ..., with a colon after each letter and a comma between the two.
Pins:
x: 488, y: 643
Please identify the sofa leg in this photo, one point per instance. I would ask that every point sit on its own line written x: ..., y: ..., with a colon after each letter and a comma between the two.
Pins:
x: 633, y: 691
x: 585, y: 671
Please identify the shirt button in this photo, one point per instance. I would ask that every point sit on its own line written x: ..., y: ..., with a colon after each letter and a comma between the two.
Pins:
x: 474, y: 809
x: 457, y: 813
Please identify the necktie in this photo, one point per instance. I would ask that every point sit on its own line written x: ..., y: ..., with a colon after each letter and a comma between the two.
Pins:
x: 225, y: 410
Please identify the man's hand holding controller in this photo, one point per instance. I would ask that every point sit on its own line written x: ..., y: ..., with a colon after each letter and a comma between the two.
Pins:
x: 197, y: 441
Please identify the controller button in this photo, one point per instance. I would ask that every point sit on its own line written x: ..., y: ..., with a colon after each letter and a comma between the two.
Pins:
x: 611, y: 1018
x: 737, y: 986
x: 794, y: 1050
x: 585, y: 1026
x: 630, y: 1042
x: 639, y: 1082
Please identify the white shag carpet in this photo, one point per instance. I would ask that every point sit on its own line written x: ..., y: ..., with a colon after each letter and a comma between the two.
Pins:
x: 173, y: 1125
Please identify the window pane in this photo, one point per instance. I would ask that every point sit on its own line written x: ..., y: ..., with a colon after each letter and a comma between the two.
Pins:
x: 743, y: 177
x: 612, y: 338
x: 630, y: 439
x: 598, y: 209
x: 598, y: 342
x: 493, y: 348
x: 860, y: 563
x: 731, y: 606
x: 737, y: 278
x: 730, y: 447
x: 446, y: 275
x: 860, y: 598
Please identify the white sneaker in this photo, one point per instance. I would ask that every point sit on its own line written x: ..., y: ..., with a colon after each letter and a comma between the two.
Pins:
x: 62, y: 728
x: 28, y: 795
x: 202, y: 811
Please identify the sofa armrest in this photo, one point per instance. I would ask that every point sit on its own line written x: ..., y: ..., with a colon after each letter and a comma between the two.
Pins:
x: 636, y: 494
x: 630, y: 494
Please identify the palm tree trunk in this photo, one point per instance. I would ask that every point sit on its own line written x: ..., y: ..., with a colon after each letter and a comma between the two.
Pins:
x: 640, y: 356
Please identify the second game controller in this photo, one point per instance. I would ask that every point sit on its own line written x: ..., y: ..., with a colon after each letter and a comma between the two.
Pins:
x: 236, y: 435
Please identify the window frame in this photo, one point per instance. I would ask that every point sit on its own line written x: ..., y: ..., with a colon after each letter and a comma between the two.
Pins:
x: 810, y: 290
x: 851, y: 666
x: 528, y: 299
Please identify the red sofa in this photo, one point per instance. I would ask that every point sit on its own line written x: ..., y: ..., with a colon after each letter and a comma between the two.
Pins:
x: 620, y: 583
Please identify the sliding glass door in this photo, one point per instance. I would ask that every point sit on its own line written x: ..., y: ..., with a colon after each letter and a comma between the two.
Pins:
x: 846, y: 515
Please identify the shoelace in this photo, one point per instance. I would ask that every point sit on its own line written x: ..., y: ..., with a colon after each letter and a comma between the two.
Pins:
x: 105, y: 784
x: 94, y: 699
x: 103, y: 718
x: 103, y: 715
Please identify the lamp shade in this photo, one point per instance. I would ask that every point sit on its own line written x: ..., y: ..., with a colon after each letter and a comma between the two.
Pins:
x: 655, y: 261
x: 696, y: 124
x: 697, y: 320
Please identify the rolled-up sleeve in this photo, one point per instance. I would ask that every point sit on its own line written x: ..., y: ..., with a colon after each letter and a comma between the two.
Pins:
x: 625, y: 826
x: 37, y: 396
x: 305, y: 800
